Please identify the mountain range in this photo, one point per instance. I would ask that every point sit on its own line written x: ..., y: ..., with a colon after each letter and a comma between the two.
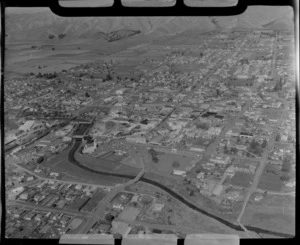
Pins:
x: 44, y: 25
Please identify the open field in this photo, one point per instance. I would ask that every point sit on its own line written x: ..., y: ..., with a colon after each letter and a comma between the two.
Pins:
x: 182, y: 216
x: 270, y: 182
x: 132, y: 162
x: 56, y: 55
x: 272, y: 200
x: 61, y: 164
x: 273, y: 218
x: 241, y: 179
x: 107, y: 164
x: 168, y: 162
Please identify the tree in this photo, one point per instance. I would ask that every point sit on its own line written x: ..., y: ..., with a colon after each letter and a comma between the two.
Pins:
x: 277, y: 137
x: 264, y: 144
x: 234, y: 150
x: 109, y: 217
x: 257, y: 150
x: 108, y: 77
x: 286, y: 164
x: 253, y: 144
x: 192, y: 193
x: 61, y: 36
x: 285, y: 177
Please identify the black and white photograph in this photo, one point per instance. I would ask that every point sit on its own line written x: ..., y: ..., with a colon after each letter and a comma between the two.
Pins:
x: 172, y: 126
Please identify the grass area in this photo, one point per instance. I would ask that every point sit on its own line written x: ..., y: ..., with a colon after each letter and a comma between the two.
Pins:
x: 184, y: 217
x: 270, y: 182
x: 167, y: 162
x: 85, y: 176
x: 271, y: 218
x: 241, y: 179
x: 106, y: 165
x: 61, y: 164
x: 278, y: 201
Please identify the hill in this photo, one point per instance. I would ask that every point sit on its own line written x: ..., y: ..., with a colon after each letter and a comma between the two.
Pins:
x: 45, y: 25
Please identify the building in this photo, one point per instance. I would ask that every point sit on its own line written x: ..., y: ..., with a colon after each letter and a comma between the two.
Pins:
x: 120, y: 228
x: 136, y: 139
x: 218, y: 190
x: 179, y: 172
x: 89, y: 148
x: 246, y: 135
x: 158, y: 207
x: 197, y: 149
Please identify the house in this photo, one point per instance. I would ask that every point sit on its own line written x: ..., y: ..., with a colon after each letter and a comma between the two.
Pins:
x: 197, y: 149
x: 136, y: 139
x: 120, y: 228
x: 24, y: 196
x: 200, y: 175
x: 218, y: 190
x: 179, y: 172
x: 220, y: 160
x: 135, y: 198
x: 29, y: 216
x: 231, y: 133
x: 230, y: 171
x: 158, y: 207
x: 246, y: 135
x: 89, y: 148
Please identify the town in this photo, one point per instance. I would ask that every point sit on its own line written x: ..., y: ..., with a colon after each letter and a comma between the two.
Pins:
x: 87, y: 149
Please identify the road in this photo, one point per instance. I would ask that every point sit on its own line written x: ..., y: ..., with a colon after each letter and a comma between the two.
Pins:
x: 292, y: 193
x: 175, y: 228
x: 60, y: 181
x: 264, y: 158
x: 47, y: 209
x: 258, y: 173
x: 170, y: 192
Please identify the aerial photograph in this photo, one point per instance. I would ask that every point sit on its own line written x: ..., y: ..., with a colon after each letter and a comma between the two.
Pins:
x: 150, y: 125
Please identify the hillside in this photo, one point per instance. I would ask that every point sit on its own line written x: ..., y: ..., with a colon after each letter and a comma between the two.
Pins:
x: 46, y: 25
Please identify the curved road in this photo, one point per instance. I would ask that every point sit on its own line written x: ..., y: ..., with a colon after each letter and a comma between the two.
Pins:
x: 72, y: 159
